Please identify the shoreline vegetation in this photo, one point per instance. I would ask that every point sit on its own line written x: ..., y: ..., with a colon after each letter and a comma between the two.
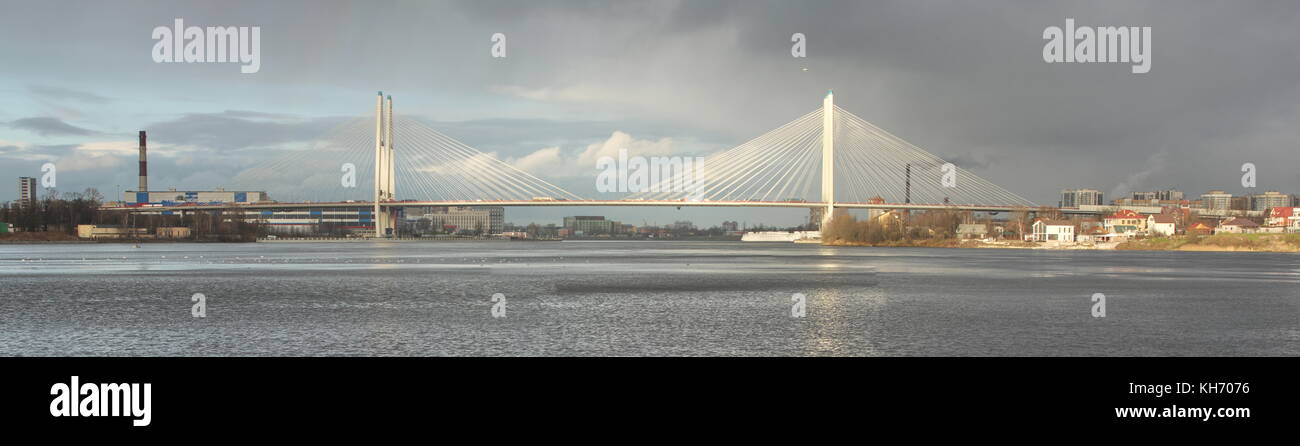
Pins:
x: 55, y: 218
x: 1217, y: 242
x: 934, y: 229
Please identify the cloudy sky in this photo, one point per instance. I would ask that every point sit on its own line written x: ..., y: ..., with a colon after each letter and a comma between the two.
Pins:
x: 965, y: 80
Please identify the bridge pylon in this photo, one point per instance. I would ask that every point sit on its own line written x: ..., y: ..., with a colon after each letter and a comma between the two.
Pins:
x: 828, y: 158
x: 385, y: 180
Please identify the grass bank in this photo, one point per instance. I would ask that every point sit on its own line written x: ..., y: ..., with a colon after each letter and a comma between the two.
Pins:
x: 1218, y: 242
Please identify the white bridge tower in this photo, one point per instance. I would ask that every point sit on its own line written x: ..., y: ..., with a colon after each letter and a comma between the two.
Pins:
x: 828, y: 158
x: 385, y: 181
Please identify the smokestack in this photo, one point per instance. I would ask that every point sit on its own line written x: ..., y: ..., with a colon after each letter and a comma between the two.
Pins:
x: 144, y: 164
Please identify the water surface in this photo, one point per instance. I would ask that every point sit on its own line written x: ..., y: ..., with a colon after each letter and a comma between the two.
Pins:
x: 639, y: 298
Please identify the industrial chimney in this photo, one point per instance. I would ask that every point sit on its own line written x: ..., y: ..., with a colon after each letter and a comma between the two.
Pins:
x: 144, y: 165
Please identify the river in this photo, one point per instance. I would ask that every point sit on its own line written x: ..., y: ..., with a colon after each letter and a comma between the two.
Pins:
x: 639, y: 298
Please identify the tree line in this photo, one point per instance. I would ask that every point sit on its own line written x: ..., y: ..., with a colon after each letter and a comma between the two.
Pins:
x: 61, y: 213
x: 54, y: 213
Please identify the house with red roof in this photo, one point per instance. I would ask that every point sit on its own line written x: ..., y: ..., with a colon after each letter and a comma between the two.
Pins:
x: 1126, y: 220
x: 1283, y: 217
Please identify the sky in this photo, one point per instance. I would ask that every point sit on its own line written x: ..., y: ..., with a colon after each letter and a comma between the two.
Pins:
x: 964, y: 80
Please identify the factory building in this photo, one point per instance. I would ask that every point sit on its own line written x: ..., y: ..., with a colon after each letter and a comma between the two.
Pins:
x: 143, y: 196
x: 173, y: 197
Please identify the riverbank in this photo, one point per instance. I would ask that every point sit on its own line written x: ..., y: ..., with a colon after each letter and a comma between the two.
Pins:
x: 904, y: 243
x: 978, y: 244
x: 1211, y: 243
x: 1218, y: 243
x: 39, y: 237
x: 28, y: 238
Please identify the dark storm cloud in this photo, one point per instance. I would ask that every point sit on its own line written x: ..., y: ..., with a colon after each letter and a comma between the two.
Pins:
x: 966, y: 78
x: 49, y: 126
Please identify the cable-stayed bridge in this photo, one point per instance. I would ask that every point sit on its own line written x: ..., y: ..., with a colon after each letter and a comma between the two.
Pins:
x: 826, y: 159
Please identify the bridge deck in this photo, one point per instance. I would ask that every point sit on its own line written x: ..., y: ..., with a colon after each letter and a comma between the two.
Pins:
x: 579, y: 203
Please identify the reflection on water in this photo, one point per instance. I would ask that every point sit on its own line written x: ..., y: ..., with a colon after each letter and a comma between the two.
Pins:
x: 639, y: 298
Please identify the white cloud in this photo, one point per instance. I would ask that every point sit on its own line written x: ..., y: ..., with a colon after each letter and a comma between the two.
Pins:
x: 18, y: 150
x: 111, y: 154
x: 553, y: 162
x: 18, y: 144
x: 96, y: 148
x: 92, y: 161
x: 459, y: 166
x: 541, y: 161
x: 96, y: 155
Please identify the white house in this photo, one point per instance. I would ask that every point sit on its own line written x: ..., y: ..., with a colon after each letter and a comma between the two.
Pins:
x: 1237, y: 226
x: 1162, y: 224
x: 1053, y: 231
